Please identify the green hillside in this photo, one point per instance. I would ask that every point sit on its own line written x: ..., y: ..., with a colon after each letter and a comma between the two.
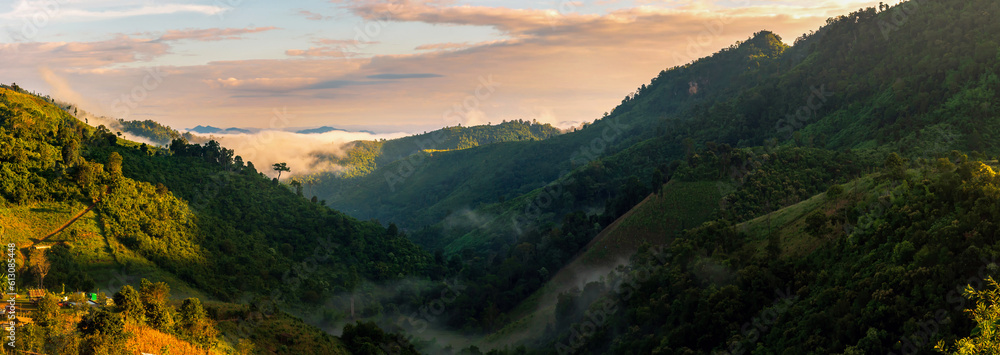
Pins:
x: 364, y: 157
x: 424, y: 189
x: 865, y: 92
x: 871, y: 262
x: 194, y: 217
x: 836, y: 196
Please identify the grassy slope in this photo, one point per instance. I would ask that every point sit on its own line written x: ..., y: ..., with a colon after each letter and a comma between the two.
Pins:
x: 279, y: 333
x: 655, y: 220
x: 789, y: 222
x: 104, y: 260
x: 111, y: 265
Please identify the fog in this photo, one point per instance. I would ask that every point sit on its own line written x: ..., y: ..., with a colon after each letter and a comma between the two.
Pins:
x: 299, y: 151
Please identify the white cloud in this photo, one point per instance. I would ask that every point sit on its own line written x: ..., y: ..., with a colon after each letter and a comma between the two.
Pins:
x: 298, y: 150
x: 39, y: 11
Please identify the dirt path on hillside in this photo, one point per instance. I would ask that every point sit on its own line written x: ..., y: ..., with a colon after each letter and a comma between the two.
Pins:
x: 67, y: 224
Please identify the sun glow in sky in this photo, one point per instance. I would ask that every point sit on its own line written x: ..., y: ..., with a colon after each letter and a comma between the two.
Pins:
x: 389, y: 66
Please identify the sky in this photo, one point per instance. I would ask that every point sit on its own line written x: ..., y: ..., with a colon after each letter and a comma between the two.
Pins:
x: 385, y: 66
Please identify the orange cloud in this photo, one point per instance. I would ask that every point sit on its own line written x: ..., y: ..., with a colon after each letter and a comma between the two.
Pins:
x: 77, y: 55
x: 553, y: 67
x: 335, y: 52
x: 211, y: 34
x: 454, y: 46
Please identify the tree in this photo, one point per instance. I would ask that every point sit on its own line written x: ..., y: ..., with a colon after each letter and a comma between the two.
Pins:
x: 816, y: 224
x: 245, y: 347
x: 279, y: 167
x: 985, y: 337
x: 895, y: 167
x: 129, y: 302
x: 104, y: 331
x: 40, y: 265
x: 115, y: 165
x: 154, y: 293
x: 178, y: 146
x: 195, y: 322
x: 834, y: 191
x: 71, y: 152
x: 154, y: 298
x: 352, y: 282
x: 47, y: 312
x: 368, y: 338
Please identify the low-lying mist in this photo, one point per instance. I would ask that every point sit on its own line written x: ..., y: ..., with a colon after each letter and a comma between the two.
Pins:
x: 300, y: 151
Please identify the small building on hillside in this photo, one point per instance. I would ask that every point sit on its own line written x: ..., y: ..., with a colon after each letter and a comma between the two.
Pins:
x: 36, y: 294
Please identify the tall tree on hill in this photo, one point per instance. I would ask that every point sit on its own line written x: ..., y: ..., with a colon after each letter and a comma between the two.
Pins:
x: 40, y: 265
x: 279, y: 167
x: 114, y: 166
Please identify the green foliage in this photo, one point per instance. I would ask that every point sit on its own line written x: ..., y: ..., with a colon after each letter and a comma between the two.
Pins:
x: 834, y: 191
x: 153, y: 130
x: 159, y: 314
x: 367, y: 338
x: 985, y: 337
x: 896, y: 268
x: 895, y: 167
x: 104, y: 333
x: 364, y: 157
x: 47, y: 311
x: 279, y: 167
x: 195, y: 323
x: 817, y: 224
x: 129, y: 303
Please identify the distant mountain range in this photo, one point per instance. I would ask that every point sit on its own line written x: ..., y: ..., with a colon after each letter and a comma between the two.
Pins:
x: 326, y: 129
x: 216, y: 130
x: 234, y: 130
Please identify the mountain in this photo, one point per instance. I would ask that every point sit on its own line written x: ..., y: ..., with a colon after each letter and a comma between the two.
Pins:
x: 326, y: 129
x: 215, y: 130
x: 836, y: 196
x: 842, y: 87
x: 193, y: 216
x: 829, y: 255
x: 844, y: 96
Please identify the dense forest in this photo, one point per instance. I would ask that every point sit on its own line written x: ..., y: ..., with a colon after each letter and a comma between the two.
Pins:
x: 834, y: 196
x: 172, y: 212
x: 774, y: 124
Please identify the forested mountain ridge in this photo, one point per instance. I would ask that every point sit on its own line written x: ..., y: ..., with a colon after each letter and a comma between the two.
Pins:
x: 193, y: 216
x: 841, y: 193
x: 427, y: 188
x: 363, y: 157
x: 769, y: 94
x: 863, y: 81
x: 731, y: 269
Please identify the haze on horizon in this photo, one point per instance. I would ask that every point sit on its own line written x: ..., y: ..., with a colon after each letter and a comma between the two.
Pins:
x: 386, y: 66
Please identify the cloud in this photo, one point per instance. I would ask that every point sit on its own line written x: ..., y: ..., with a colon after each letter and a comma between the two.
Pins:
x: 552, y: 67
x: 300, y: 151
x: 121, y: 49
x: 312, y: 16
x: 211, y: 34
x: 76, y: 11
x: 456, y: 46
x: 61, y: 89
x: 325, y: 52
x: 404, y: 76
x: 342, y: 42
x: 261, y: 83
x: 64, y: 92
x: 336, y: 84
